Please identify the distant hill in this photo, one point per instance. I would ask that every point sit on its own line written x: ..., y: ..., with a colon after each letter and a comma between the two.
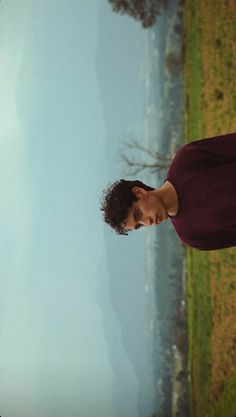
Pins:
x: 119, y: 75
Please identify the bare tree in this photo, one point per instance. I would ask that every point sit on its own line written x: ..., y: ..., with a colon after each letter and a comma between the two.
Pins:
x: 156, y: 162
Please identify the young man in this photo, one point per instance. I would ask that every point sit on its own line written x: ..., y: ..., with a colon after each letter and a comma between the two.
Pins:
x: 198, y: 196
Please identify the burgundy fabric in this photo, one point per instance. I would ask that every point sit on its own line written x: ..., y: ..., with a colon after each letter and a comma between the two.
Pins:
x: 204, y: 176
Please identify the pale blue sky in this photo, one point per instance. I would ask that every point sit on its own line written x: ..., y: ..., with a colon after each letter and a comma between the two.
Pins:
x: 53, y: 165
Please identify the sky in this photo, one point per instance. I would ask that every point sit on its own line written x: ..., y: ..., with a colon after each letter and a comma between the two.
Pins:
x: 58, y: 150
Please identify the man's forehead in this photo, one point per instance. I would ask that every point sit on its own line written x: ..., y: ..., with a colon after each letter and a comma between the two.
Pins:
x: 129, y: 222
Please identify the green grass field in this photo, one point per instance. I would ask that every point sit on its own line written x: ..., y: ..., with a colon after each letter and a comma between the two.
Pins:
x: 210, y: 109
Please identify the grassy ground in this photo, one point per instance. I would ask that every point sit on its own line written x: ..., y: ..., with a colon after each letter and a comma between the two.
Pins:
x: 210, y: 103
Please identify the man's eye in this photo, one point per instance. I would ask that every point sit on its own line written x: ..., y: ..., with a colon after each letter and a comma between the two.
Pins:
x: 138, y: 214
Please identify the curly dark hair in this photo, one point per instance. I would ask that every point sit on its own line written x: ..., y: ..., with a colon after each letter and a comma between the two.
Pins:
x: 117, y: 200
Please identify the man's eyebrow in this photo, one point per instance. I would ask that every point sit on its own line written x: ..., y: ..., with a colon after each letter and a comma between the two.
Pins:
x: 127, y: 230
x: 124, y: 228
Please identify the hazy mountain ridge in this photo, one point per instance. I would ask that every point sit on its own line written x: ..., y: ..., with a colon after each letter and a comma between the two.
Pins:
x: 127, y: 301
x: 117, y: 84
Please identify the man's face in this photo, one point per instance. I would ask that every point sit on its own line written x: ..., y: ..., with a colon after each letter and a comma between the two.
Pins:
x: 148, y: 210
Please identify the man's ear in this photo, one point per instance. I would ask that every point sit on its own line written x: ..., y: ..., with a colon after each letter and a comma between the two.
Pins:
x: 138, y: 191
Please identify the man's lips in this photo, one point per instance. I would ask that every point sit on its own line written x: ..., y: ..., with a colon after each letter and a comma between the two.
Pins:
x: 157, y: 220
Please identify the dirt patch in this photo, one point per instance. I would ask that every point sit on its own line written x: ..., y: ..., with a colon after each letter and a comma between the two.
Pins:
x: 223, y: 338
x: 218, y: 57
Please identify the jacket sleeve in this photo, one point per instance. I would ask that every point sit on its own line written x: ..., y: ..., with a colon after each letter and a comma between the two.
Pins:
x: 218, y: 241
x: 221, y: 149
x: 204, y: 154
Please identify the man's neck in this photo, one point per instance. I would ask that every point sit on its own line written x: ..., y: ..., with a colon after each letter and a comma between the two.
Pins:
x: 168, y: 194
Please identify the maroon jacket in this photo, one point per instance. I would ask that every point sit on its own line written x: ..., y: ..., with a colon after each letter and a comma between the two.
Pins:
x: 204, y: 176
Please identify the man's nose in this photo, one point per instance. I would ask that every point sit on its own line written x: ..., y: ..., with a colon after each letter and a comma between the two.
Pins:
x: 147, y: 221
